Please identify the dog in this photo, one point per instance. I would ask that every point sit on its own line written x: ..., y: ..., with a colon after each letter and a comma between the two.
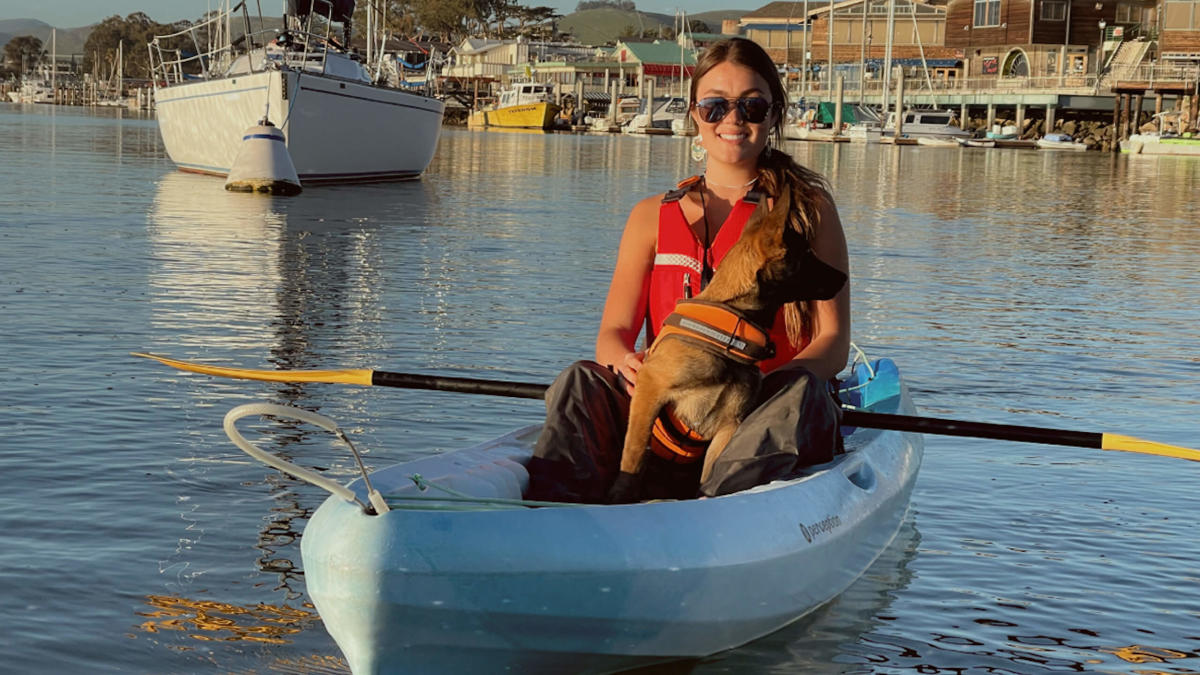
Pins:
x: 702, y: 369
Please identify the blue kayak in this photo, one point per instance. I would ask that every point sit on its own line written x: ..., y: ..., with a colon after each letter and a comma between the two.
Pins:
x: 461, y: 575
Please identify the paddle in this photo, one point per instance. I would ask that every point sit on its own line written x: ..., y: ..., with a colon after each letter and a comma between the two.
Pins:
x: 853, y: 418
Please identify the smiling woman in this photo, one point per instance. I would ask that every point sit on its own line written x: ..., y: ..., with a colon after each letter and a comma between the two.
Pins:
x: 671, y: 247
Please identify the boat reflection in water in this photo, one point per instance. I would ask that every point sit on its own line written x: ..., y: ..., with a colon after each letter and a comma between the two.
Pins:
x: 280, y: 280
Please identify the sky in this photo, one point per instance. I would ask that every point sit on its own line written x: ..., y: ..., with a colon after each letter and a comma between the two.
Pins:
x: 77, y: 13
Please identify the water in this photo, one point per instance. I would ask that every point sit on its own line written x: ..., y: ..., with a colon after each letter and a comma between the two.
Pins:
x: 1050, y: 289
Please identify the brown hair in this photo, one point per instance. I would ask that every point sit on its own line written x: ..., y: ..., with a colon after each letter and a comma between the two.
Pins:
x: 776, y: 169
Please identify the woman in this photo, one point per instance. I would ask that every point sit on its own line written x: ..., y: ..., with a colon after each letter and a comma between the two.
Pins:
x: 671, y: 245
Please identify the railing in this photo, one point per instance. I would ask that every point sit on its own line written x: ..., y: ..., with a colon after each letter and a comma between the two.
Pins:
x: 1188, y: 76
x: 171, y: 64
x: 918, y: 85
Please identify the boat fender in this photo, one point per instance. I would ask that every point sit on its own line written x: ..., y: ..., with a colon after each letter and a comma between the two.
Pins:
x: 263, y: 163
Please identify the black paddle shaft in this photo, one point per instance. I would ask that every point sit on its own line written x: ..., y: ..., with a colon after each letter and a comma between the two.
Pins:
x: 944, y: 427
x: 460, y: 385
x: 851, y: 418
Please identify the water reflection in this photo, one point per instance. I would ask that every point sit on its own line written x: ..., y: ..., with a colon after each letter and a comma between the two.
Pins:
x: 233, y: 273
x: 208, y: 621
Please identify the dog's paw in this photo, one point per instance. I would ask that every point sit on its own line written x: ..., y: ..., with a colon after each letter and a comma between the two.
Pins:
x: 627, y: 489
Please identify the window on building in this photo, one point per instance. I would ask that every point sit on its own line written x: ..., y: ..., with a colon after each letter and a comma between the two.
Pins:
x: 1054, y: 10
x: 987, y: 13
x: 1125, y: 13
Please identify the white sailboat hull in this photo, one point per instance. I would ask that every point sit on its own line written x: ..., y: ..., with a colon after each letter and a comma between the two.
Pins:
x: 336, y: 130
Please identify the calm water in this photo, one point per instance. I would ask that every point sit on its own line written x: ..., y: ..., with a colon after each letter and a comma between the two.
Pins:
x: 1052, y: 289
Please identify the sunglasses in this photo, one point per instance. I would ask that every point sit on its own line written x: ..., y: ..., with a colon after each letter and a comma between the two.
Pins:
x: 754, y: 109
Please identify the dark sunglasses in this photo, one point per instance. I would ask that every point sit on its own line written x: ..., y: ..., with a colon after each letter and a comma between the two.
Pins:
x: 754, y: 109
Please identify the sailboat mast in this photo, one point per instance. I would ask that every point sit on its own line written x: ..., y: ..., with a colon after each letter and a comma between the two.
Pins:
x: 887, y: 56
x: 862, y: 59
x: 830, y: 40
x: 804, y: 57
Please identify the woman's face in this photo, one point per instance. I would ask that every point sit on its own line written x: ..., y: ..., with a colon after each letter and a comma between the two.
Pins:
x: 733, y: 139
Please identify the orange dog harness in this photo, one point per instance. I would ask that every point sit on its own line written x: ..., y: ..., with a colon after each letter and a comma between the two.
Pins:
x: 716, y: 328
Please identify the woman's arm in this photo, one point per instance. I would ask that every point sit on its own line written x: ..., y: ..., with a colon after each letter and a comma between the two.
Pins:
x: 625, y: 305
x: 826, y: 354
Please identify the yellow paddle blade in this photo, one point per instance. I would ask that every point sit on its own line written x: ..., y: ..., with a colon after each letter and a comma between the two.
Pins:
x: 1131, y: 444
x: 356, y: 376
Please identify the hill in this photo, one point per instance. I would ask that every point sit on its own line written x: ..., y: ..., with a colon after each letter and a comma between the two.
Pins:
x: 606, y: 25
x: 68, y: 40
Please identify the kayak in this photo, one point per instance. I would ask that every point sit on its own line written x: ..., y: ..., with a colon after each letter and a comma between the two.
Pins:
x: 461, y: 575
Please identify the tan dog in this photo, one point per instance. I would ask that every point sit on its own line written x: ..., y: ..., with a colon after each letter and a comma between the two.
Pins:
x: 703, y: 367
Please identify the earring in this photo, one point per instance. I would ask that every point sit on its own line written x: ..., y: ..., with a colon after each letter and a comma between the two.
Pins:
x: 698, y: 151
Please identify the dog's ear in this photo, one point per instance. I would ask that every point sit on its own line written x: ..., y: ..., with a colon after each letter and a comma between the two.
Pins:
x: 801, y: 276
x: 821, y: 281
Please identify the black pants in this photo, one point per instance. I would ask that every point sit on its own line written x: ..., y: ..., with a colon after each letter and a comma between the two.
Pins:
x: 578, y: 455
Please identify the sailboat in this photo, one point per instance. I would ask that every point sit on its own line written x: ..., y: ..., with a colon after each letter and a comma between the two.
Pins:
x: 115, y: 96
x: 339, y: 122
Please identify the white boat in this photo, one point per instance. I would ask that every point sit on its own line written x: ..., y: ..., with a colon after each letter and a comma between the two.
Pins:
x: 449, y: 571
x: 665, y: 114
x: 1059, y: 142
x: 338, y: 123
x: 33, y: 89
x: 1157, y: 144
x: 976, y: 142
x: 1003, y: 133
x: 937, y: 142
x: 601, y: 118
x: 926, y: 124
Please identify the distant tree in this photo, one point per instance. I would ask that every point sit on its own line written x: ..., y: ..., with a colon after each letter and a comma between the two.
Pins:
x: 536, y: 21
x: 630, y: 32
x: 24, y: 51
x: 627, y: 5
x: 448, y: 19
x: 135, y: 32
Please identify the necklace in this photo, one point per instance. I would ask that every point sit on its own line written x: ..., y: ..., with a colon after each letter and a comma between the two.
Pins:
x: 731, y: 187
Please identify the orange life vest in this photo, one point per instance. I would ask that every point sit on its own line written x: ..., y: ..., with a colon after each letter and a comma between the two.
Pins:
x: 675, y: 277
x: 678, y: 265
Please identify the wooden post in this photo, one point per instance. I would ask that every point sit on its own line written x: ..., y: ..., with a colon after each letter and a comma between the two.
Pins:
x: 1135, y: 123
x: 991, y: 116
x: 1116, y: 123
x: 837, y: 113
x: 612, y: 104
x: 580, y: 106
x: 1020, y: 118
x: 899, y: 105
x: 1049, y: 118
x: 964, y: 122
x: 649, y: 121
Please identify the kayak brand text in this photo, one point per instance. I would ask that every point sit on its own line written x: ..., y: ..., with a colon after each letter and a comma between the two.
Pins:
x: 819, y: 527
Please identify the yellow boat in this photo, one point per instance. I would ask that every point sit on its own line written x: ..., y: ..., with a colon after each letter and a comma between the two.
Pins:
x: 526, y: 105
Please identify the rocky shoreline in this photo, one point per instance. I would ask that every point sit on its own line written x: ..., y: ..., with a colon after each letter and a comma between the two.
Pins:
x: 1095, y: 130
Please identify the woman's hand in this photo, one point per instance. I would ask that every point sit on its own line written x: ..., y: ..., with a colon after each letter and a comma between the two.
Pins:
x: 628, y: 369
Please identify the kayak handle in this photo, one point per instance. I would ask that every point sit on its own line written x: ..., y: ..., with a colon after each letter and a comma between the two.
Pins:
x: 337, y: 489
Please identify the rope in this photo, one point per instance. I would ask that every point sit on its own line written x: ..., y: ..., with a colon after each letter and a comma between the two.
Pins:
x: 456, y: 497
x: 858, y: 354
